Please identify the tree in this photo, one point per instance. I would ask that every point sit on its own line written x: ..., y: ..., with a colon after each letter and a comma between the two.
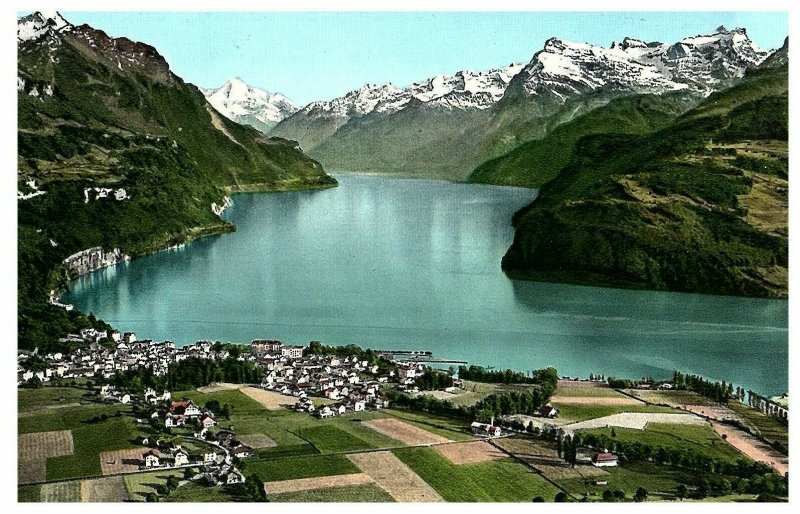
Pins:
x: 641, y: 495
x: 213, y: 406
x: 681, y: 492
x: 538, y: 499
x: 172, y: 482
x: 256, y: 487
x: 608, y: 496
x: 189, y: 473
x: 561, y: 497
x: 151, y: 497
x: 613, y: 432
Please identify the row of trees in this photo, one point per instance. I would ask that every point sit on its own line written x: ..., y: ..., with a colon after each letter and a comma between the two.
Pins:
x: 190, y: 373
x: 481, y: 374
x: 514, y: 402
x: 720, y: 392
x: 686, y: 458
x: 433, y: 379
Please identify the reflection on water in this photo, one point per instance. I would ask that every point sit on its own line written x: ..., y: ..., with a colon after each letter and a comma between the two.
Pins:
x: 415, y: 264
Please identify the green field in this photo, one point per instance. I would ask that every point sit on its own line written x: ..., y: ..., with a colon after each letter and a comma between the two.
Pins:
x: 451, y: 428
x: 29, y: 400
x: 331, y: 439
x: 587, y: 392
x: 289, y: 468
x: 672, y: 397
x: 700, y: 438
x: 90, y: 438
x: 28, y: 493
x: 358, y: 493
x: 89, y: 441
x: 583, y: 412
x: 659, y: 481
x: 503, y: 480
x: 67, y: 418
x: 140, y: 484
x: 195, y: 493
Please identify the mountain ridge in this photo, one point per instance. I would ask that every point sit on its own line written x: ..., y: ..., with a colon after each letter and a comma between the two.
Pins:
x: 533, y: 100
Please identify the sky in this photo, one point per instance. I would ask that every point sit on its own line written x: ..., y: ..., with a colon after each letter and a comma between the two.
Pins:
x: 318, y: 56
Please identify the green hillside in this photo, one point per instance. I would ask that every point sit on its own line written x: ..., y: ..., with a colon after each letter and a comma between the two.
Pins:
x: 700, y: 205
x: 115, y: 116
x: 536, y: 162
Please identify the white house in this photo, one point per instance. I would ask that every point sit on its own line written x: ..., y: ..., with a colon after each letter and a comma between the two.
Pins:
x: 484, y: 429
x: 325, y: 412
x: 207, y: 420
x: 234, y: 477
x: 152, y: 458
x: 181, y: 456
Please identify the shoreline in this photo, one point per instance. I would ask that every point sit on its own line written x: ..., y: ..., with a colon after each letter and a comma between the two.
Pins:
x: 193, y: 233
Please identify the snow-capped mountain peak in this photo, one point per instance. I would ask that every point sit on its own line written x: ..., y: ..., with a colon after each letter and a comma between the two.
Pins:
x: 36, y: 25
x: 463, y: 90
x: 698, y: 63
x: 242, y: 103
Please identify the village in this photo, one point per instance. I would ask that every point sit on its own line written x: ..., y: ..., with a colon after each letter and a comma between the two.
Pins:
x: 200, y: 439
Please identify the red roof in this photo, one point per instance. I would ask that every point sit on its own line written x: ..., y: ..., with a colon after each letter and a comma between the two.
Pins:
x: 152, y: 451
x: 604, y: 457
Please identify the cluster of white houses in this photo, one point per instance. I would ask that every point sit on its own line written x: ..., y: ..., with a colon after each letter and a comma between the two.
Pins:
x: 220, y: 446
x: 353, y: 384
x: 106, y: 353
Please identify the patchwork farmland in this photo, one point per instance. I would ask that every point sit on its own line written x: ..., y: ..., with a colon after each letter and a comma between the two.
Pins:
x: 378, y: 455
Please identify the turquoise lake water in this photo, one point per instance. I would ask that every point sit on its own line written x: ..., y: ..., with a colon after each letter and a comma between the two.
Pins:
x: 415, y: 264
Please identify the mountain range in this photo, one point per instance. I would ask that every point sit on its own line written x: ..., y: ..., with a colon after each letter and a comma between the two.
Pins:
x: 445, y: 126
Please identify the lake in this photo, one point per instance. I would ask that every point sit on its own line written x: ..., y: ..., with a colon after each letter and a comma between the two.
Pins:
x: 415, y: 264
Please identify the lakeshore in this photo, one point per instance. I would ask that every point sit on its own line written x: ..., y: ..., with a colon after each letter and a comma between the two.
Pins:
x: 350, y: 263
x: 331, y: 405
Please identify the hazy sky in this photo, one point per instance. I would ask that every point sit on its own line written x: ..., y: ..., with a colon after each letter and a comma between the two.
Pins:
x: 318, y: 56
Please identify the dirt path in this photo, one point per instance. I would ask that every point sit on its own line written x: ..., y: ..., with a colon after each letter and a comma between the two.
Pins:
x: 637, y: 420
x: 305, y: 484
x: 219, y: 386
x: 121, y: 461
x: 753, y: 448
x: 394, y: 477
x: 404, y: 432
x: 268, y: 399
x: 469, y: 452
x: 596, y: 400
